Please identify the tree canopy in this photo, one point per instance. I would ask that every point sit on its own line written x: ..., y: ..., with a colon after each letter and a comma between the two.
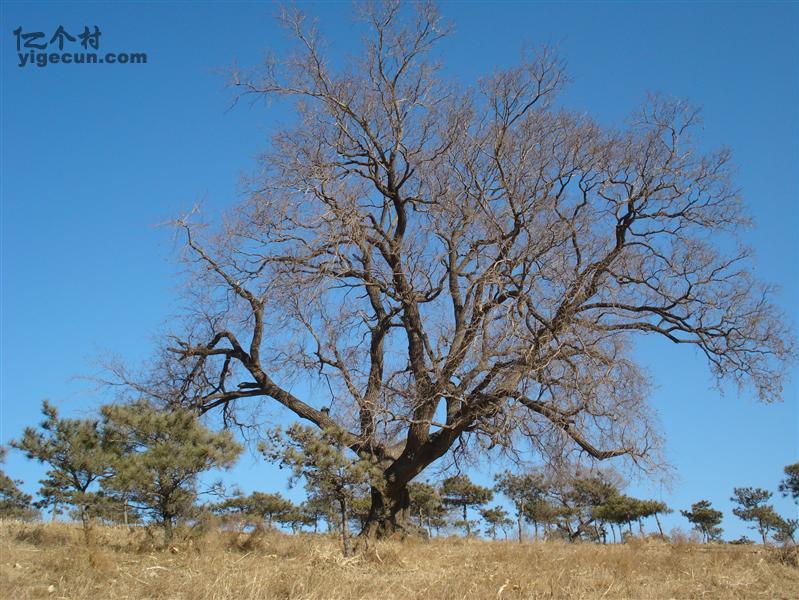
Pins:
x: 705, y: 519
x: 426, y: 505
x: 464, y: 263
x: 790, y: 485
x: 78, y: 456
x: 460, y: 493
x: 14, y: 503
x: 526, y: 492
x: 322, y: 460
x: 159, y: 455
x: 752, y: 507
x: 264, y: 507
x: 496, y: 518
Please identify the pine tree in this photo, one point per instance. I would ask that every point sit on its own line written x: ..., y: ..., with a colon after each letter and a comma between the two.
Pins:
x: 525, y: 491
x: 78, y: 455
x: 458, y: 492
x: 790, y: 485
x: 319, y: 507
x: 653, y: 508
x: 541, y: 512
x: 571, y: 498
x: 158, y: 456
x: 705, y: 519
x: 329, y: 471
x: 752, y: 507
x: 117, y: 510
x: 14, y: 503
x: 259, y: 506
x: 617, y: 510
x: 496, y: 518
x: 296, y: 518
x: 426, y: 506
x: 786, y: 532
x: 580, y: 498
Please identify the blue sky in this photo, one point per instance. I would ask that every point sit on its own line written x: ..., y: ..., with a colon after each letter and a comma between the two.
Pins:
x: 94, y: 157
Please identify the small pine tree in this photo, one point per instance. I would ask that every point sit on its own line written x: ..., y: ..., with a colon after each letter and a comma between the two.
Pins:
x: 295, y: 518
x: 14, y: 503
x: 581, y: 497
x: 116, y: 510
x: 617, y: 510
x: 624, y: 510
x: 158, y: 456
x: 459, y: 493
x: 786, y: 531
x: 78, y: 456
x: 496, y: 518
x: 705, y: 519
x: 359, y: 512
x: 313, y: 510
x: 259, y: 506
x: 318, y: 507
x: 525, y: 491
x: 752, y: 507
x: 790, y: 485
x: 742, y: 541
x: 323, y: 460
x: 426, y: 506
x: 541, y: 512
x: 653, y: 508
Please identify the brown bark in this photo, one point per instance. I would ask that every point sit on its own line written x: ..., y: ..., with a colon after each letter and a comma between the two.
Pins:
x: 86, y: 522
x: 389, y: 512
x: 660, y: 529
x: 345, y: 527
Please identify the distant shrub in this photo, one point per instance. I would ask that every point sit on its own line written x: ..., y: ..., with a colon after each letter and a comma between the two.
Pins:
x: 742, y: 541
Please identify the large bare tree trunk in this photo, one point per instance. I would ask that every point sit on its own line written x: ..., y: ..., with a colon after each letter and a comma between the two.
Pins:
x: 389, y: 512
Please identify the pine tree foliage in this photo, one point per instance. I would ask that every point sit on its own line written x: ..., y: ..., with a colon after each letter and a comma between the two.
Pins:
x: 526, y: 492
x: 705, y: 519
x: 496, y: 519
x: 14, y: 503
x: 327, y: 466
x: 786, y: 531
x: 78, y: 456
x: 752, y: 507
x: 460, y: 493
x: 159, y: 456
x: 790, y: 485
x: 261, y: 506
x: 426, y: 506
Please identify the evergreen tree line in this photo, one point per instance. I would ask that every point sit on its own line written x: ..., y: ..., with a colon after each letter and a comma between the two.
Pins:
x: 135, y: 464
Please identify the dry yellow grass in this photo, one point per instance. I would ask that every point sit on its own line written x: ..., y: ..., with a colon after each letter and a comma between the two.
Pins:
x: 48, y: 561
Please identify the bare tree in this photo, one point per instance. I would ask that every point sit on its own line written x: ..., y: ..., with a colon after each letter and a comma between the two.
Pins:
x: 458, y: 265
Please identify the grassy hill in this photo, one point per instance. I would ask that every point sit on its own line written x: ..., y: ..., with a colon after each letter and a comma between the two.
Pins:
x: 45, y: 560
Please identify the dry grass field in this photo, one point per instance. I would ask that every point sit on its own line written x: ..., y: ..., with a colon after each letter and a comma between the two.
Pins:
x: 49, y: 561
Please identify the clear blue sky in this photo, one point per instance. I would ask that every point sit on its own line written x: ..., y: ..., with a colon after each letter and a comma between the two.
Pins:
x: 95, y: 156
